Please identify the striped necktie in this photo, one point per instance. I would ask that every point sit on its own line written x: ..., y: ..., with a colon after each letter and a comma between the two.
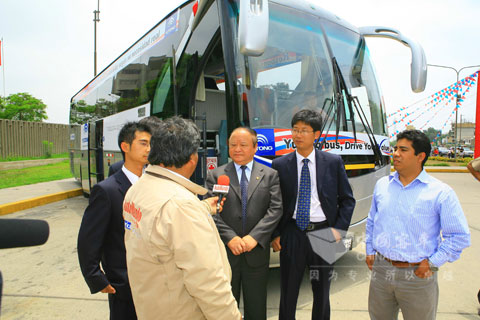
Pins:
x: 244, y: 191
x: 304, y: 195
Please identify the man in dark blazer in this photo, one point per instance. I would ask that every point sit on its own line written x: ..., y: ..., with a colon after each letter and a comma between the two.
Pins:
x: 117, y: 166
x: 152, y: 122
x: 316, y: 197
x: 246, y: 228
x: 101, y: 246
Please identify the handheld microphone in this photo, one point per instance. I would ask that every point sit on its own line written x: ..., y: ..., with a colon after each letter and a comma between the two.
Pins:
x: 221, y: 188
x: 16, y: 233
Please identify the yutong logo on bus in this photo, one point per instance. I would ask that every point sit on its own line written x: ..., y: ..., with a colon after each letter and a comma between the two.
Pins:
x: 263, y: 143
x: 266, y: 142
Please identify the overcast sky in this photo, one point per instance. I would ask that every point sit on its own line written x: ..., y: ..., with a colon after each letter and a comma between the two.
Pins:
x: 48, y: 45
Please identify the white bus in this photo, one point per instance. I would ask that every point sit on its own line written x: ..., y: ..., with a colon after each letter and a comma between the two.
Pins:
x: 243, y: 62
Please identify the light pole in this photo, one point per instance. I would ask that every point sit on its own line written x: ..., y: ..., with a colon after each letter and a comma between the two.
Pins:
x: 96, y: 18
x: 457, y: 97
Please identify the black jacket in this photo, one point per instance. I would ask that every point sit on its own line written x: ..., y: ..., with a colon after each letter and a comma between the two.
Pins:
x: 101, y: 237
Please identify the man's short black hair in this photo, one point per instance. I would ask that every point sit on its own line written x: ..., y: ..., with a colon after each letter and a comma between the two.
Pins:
x: 127, y: 133
x: 174, y: 142
x: 420, y: 142
x: 151, y: 121
x: 309, y: 117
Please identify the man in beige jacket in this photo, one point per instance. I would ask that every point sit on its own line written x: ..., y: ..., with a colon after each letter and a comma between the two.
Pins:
x: 177, y: 263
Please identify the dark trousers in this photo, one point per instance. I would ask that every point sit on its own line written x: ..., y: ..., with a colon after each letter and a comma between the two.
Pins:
x: 252, y: 281
x: 121, y: 309
x: 295, y: 255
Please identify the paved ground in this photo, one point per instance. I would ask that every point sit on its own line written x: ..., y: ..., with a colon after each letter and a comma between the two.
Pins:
x: 15, y: 194
x: 7, y: 165
x: 45, y: 282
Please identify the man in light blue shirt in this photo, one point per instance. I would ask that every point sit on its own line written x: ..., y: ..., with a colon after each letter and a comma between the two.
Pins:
x: 415, y: 225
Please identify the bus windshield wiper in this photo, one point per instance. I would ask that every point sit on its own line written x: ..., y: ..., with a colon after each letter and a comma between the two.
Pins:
x: 342, y: 97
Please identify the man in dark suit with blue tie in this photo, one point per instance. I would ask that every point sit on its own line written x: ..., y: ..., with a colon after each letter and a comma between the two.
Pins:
x: 316, y: 195
x: 101, y: 235
x: 252, y: 210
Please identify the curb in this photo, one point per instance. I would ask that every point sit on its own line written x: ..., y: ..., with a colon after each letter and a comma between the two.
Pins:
x: 448, y: 170
x: 38, y: 201
x: 441, y: 170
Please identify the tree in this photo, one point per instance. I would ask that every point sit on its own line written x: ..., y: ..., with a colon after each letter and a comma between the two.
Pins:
x: 81, y: 112
x: 432, y: 135
x: 23, y: 106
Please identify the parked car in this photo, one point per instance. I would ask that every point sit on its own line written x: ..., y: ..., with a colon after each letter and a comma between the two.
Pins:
x: 467, y: 152
x: 442, y: 151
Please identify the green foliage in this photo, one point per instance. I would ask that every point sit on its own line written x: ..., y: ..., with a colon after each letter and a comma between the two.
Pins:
x: 441, y: 164
x: 23, y: 106
x: 80, y: 112
x: 47, y: 148
x: 25, y: 176
x: 432, y: 134
x: 445, y: 162
x: 446, y: 159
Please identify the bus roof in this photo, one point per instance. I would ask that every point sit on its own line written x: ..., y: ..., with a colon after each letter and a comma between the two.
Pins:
x: 302, y: 5
x: 315, y: 9
x: 102, y: 74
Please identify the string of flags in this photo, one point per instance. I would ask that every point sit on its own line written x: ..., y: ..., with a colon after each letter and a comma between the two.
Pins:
x: 439, y: 133
x: 436, y: 102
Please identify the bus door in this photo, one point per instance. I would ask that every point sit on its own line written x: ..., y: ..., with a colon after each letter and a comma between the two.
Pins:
x: 95, y: 157
x: 200, y: 173
x: 84, y: 156
x: 200, y: 79
x: 91, y: 161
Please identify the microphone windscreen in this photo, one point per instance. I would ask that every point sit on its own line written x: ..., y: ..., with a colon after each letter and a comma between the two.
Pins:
x: 223, y: 180
x: 15, y: 233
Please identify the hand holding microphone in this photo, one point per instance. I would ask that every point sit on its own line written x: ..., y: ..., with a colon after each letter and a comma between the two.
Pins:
x: 221, y: 188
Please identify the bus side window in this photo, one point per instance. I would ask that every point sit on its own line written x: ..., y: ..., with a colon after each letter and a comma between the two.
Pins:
x: 163, y: 91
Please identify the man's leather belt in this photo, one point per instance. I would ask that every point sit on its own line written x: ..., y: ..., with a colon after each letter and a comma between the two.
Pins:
x: 312, y: 226
x: 399, y: 264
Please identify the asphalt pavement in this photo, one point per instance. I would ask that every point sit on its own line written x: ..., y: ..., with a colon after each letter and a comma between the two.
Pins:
x: 45, y: 282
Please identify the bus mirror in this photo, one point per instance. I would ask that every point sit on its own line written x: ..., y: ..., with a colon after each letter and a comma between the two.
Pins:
x: 418, y: 78
x: 253, y: 27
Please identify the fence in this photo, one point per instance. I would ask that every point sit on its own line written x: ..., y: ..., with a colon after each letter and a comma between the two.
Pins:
x: 25, y: 138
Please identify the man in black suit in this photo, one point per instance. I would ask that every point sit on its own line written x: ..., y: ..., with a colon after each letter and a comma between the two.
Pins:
x: 152, y: 122
x: 115, y: 167
x: 316, y: 195
x: 101, y: 235
x: 252, y: 210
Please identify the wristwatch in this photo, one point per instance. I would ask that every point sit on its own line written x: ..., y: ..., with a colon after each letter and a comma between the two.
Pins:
x: 432, y: 266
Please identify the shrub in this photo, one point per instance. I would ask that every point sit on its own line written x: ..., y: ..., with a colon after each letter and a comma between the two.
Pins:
x: 47, y: 148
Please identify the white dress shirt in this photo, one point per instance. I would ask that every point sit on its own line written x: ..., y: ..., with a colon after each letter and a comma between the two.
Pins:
x: 132, y: 177
x: 316, y: 212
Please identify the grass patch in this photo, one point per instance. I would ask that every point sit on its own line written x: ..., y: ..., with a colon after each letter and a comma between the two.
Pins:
x: 58, y: 155
x: 25, y: 176
x: 442, y: 164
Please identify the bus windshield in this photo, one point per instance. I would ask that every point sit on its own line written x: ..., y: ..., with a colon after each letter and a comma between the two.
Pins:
x: 353, y: 58
x: 295, y: 72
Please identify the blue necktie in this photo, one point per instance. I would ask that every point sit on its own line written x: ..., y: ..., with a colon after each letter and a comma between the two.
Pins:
x: 303, y: 206
x: 244, y: 190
